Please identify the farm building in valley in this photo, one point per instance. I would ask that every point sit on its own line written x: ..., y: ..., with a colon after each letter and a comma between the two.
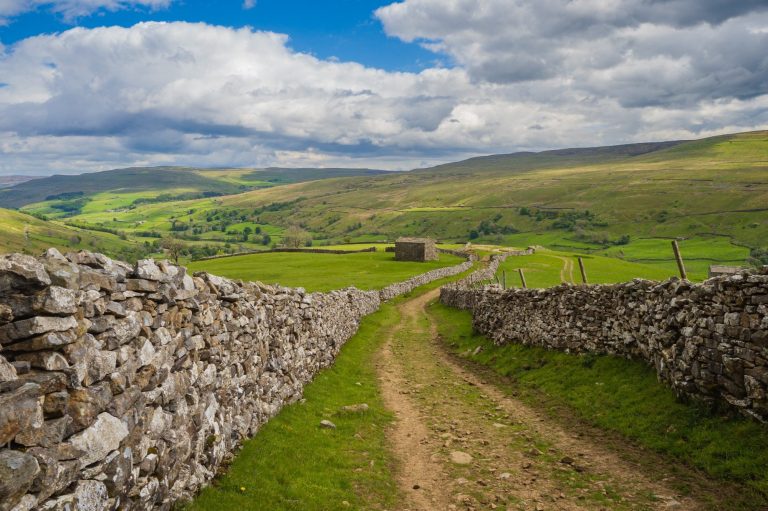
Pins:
x: 415, y: 249
x: 716, y: 270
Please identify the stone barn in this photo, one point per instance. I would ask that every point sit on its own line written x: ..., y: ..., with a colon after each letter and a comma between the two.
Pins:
x: 415, y: 249
x: 716, y: 270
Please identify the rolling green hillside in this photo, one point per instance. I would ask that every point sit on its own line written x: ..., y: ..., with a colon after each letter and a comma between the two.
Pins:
x: 624, y: 202
x: 25, y: 233
x: 63, y: 194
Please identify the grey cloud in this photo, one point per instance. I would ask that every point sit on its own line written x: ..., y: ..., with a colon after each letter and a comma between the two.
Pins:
x: 639, y: 52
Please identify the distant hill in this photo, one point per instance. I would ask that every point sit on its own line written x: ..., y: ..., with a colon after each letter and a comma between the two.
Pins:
x: 528, y: 160
x: 12, y: 180
x: 285, y: 175
x: 717, y: 185
x: 159, y: 180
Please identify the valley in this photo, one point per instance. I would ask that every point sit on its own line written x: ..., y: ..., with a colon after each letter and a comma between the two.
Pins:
x: 624, y: 203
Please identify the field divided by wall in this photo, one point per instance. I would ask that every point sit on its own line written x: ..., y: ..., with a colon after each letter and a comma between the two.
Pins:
x: 130, y: 385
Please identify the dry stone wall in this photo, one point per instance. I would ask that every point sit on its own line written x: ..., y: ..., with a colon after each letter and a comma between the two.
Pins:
x: 400, y: 288
x: 707, y: 341
x: 127, y: 387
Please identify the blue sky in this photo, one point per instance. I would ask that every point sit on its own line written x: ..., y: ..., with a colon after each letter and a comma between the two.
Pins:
x: 89, y: 85
x: 343, y: 29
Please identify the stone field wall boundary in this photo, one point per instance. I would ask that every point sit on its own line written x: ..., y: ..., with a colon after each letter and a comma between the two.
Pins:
x: 129, y: 386
x: 707, y: 341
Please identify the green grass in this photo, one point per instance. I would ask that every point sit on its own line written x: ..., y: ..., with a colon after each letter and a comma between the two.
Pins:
x: 321, y: 272
x: 545, y: 269
x: 293, y: 464
x: 623, y: 396
x: 25, y: 233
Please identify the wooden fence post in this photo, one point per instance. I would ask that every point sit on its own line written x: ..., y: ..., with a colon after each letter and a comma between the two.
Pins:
x: 583, y: 271
x: 522, y: 278
x: 679, y: 258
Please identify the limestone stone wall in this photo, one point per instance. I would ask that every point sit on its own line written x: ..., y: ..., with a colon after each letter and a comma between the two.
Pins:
x: 127, y: 387
x: 707, y: 341
x: 400, y: 288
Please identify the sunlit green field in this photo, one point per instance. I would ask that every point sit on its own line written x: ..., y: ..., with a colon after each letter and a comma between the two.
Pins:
x: 549, y: 268
x: 646, y: 258
x: 321, y: 272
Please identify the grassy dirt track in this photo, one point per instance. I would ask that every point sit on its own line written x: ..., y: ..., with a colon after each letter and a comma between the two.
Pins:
x: 513, y: 457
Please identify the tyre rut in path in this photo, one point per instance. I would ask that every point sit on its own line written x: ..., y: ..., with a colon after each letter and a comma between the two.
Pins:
x: 461, y: 443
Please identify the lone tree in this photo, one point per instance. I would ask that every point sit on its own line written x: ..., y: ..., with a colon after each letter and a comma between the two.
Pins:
x: 295, y: 237
x: 173, y: 246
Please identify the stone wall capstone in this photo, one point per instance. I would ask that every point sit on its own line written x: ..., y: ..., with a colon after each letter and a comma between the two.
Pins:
x: 128, y: 387
x: 707, y: 341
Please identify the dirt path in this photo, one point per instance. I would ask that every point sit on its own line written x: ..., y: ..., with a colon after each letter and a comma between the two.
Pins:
x: 461, y: 443
x: 409, y: 436
x: 566, y: 272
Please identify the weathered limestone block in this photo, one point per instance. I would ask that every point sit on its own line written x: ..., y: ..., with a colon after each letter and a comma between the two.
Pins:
x: 47, y: 360
x: 85, y: 404
x: 30, y: 327
x: 21, y: 273
x: 47, y: 382
x: 96, y: 280
x: 53, y: 300
x: 47, y: 341
x: 17, y: 472
x: 20, y: 409
x: 55, y: 473
x: 122, y: 331
x: 147, y: 269
x: 99, y: 439
x: 7, y: 371
x: 6, y: 314
x: 56, y: 404
x: 48, y: 434
x: 89, y: 495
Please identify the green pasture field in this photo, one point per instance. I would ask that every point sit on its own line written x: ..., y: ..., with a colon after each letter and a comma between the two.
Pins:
x: 623, y: 396
x: 100, y: 205
x: 650, y: 258
x: 549, y: 268
x: 321, y: 272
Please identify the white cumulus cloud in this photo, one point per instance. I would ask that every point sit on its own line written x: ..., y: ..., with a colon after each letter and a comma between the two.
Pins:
x: 196, y: 94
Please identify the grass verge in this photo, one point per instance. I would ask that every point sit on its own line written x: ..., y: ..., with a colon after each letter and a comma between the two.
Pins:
x: 294, y: 464
x: 624, y: 397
